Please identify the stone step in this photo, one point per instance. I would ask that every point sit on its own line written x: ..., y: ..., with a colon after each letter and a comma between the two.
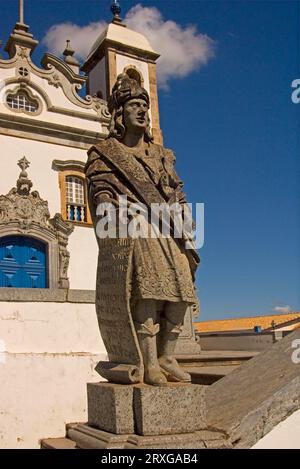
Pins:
x: 90, y: 438
x: 216, y: 358
x: 58, y: 443
x: 210, y: 366
x: 207, y: 375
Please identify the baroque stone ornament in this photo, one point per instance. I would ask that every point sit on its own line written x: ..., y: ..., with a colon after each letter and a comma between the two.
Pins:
x: 59, y: 73
x: 24, y: 212
x: 144, y: 285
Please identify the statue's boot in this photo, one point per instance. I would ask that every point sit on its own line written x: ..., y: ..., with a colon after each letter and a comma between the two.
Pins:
x: 168, y: 337
x: 147, y: 340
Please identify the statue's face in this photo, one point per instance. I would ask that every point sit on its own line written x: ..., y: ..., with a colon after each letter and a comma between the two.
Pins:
x: 136, y: 115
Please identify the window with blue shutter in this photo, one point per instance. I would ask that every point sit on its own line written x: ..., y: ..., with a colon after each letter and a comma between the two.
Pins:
x: 23, y: 262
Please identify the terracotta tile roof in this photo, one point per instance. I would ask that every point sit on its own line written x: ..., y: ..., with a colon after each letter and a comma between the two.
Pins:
x: 235, y: 324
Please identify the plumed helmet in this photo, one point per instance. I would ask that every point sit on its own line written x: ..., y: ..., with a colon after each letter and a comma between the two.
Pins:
x: 124, y: 89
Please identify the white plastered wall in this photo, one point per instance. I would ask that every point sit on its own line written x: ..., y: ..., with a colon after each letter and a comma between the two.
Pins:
x: 83, y: 258
x: 286, y: 435
x: 123, y: 61
x: 48, y: 352
x: 97, y: 78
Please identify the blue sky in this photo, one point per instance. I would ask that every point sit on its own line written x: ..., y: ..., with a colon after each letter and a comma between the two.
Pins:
x: 235, y: 132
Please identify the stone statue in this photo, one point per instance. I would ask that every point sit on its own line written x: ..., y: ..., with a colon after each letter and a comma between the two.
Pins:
x: 144, y: 284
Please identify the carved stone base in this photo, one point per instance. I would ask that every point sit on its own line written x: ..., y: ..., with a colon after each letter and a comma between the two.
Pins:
x: 86, y: 437
x: 177, y: 408
x: 146, y: 410
x: 110, y: 407
x: 143, y: 417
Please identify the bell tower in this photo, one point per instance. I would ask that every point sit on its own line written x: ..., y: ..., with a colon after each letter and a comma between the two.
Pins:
x: 121, y: 50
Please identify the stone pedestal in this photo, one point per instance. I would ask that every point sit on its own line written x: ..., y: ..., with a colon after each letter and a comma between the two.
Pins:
x: 142, y: 416
x: 146, y: 410
x: 110, y: 407
x: 171, y: 410
x: 86, y: 437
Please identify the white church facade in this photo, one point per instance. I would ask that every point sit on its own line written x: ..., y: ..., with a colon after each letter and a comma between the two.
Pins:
x: 49, y: 338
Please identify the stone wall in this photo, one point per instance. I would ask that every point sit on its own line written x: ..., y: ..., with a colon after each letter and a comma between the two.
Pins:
x: 251, y: 401
x: 241, y: 340
x: 48, y: 352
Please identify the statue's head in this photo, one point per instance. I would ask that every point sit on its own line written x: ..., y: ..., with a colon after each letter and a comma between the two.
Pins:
x: 129, y: 106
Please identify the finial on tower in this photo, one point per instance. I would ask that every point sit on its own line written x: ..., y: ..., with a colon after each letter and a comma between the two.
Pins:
x: 21, y: 9
x: 20, y: 37
x: 116, y: 11
x: 68, y: 54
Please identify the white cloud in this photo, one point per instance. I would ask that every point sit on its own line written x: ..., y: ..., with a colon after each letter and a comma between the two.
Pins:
x: 82, y: 37
x: 183, y: 50
x: 282, y: 309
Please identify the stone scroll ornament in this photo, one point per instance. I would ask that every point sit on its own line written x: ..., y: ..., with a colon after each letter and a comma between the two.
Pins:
x: 144, y: 285
x: 113, y: 310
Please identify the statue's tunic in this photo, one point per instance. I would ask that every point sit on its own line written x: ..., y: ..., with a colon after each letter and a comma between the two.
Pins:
x: 160, y: 268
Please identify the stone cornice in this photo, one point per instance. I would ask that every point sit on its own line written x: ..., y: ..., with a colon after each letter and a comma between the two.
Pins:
x: 62, y: 165
x: 34, y: 129
x: 46, y: 295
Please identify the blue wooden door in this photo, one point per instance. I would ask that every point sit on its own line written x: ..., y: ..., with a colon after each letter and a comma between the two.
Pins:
x: 23, y: 262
